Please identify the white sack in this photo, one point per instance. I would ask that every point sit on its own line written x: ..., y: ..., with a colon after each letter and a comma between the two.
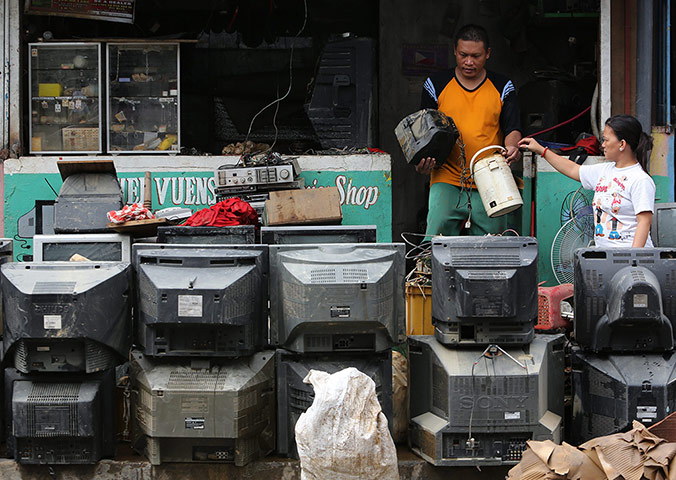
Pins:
x: 344, y: 434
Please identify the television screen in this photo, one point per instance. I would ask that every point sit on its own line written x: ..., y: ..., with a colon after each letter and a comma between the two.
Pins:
x: 625, y: 299
x: 66, y: 316
x: 201, y: 300
x: 294, y: 396
x: 337, y: 297
x: 60, y: 418
x: 663, y: 230
x: 473, y: 407
x: 484, y: 289
x: 611, y: 391
x: 235, y: 235
x: 98, y: 247
x: 318, y: 234
x: 221, y: 413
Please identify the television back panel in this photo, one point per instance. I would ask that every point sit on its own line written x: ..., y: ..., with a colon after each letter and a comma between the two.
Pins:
x: 294, y: 396
x: 318, y: 234
x: 97, y: 247
x: 201, y: 300
x: 663, y: 230
x: 224, y: 413
x: 484, y: 290
x: 625, y: 299
x: 501, y: 401
x: 234, y: 235
x: 84, y: 202
x: 60, y: 419
x: 342, y: 107
x: 611, y: 391
x: 337, y: 297
x: 66, y: 316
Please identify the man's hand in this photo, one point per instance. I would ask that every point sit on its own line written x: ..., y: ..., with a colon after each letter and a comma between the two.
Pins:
x: 513, y: 154
x: 426, y: 165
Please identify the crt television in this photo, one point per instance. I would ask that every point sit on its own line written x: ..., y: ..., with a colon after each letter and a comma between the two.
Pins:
x: 337, y: 297
x: 294, y: 396
x: 60, y: 418
x: 201, y: 300
x: 98, y: 247
x: 625, y: 299
x: 484, y: 289
x: 610, y: 391
x: 472, y: 408
x: 66, y: 316
x: 222, y: 413
x: 318, y: 234
x: 235, y: 234
x: 663, y: 230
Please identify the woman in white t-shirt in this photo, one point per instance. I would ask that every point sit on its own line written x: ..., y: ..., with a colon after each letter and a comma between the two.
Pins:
x: 624, y: 193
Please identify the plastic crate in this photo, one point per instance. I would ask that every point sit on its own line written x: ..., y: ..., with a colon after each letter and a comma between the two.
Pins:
x: 549, y: 307
x: 419, y: 310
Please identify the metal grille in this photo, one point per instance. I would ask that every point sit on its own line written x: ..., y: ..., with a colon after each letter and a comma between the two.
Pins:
x: 47, y: 397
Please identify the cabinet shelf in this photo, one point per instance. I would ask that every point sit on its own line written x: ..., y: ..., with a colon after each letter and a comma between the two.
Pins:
x: 55, y: 128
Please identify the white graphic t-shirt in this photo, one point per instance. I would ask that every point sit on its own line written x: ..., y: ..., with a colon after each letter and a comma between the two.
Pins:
x: 619, y: 194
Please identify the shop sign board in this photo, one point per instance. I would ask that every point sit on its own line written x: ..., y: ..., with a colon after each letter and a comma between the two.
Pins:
x: 109, y: 10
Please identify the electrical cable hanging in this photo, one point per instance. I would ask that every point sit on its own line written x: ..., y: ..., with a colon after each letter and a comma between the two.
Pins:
x: 278, y: 100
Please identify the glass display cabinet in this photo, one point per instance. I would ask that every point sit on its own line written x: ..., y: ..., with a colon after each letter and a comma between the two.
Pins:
x: 143, y: 98
x: 64, y: 84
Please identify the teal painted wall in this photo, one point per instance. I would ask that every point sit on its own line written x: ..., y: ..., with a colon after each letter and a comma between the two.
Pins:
x: 366, y: 196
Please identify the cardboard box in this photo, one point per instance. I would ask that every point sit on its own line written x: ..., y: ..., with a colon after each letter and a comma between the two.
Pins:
x: 303, y: 207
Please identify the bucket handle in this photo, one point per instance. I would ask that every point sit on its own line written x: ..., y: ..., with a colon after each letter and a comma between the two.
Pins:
x: 490, y: 147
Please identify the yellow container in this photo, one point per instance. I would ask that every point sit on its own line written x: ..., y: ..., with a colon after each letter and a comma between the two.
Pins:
x: 419, y: 310
x: 49, y: 90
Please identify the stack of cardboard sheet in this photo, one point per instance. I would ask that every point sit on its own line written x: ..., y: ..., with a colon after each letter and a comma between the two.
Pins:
x: 634, y: 455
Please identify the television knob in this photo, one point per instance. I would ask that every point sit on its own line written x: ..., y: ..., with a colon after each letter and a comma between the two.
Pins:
x: 284, y: 174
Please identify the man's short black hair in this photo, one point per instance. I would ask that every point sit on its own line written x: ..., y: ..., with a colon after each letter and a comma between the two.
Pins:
x: 472, y: 33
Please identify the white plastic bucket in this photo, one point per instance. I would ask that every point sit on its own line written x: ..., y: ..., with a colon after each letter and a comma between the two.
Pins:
x: 495, y: 182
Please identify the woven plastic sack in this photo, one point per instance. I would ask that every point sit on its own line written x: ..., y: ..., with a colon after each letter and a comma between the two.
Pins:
x: 344, y: 434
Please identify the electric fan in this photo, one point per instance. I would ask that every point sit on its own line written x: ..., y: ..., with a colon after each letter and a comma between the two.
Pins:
x: 578, y: 232
x: 573, y: 204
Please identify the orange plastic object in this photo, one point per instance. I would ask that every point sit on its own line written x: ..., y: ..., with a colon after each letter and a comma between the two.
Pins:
x: 549, y: 307
x: 419, y: 310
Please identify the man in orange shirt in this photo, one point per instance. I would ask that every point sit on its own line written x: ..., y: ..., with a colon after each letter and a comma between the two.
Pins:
x: 484, y: 107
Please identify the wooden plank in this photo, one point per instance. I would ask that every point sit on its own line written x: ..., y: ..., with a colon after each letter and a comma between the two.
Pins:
x: 139, y: 228
x: 69, y: 167
x: 303, y: 207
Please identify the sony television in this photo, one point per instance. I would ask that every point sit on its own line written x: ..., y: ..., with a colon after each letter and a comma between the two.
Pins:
x: 66, y: 316
x: 201, y: 300
x: 318, y: 234
x: 230, y: 235
x: 294, y: 396
x: 484, y: 289
x: 98, y: 247
x: 337, y: 297
x: 221, y: 413
x: 625, y: 299
x: 60, y: 418
x: 610, y: 391
x: 663, y: 229
x: 475, y: 407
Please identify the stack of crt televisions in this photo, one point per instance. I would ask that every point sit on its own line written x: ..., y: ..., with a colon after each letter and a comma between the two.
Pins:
x: 332, y: 306
x: 202, y: 383
x: 66, y: 327
x: 484, y: 384
x: 624, y: 366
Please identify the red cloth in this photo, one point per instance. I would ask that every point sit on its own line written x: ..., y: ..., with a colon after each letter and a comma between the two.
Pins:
x: 232, y: 211
x: 135, y: 211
